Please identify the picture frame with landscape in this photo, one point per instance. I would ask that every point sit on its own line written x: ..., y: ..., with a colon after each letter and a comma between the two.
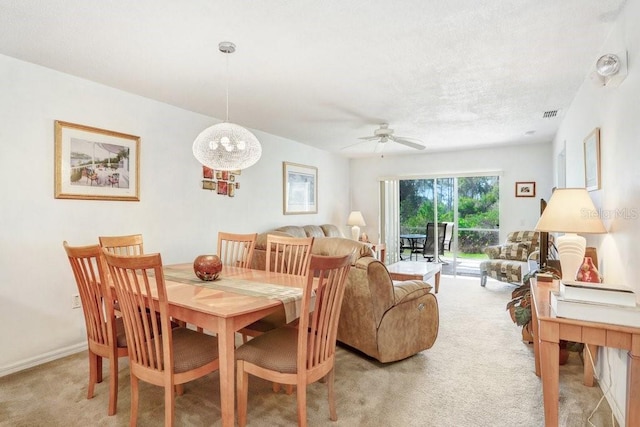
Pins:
x: 299, y: 189
x: 95, y: 164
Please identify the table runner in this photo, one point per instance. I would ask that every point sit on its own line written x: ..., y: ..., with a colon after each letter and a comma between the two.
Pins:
x: 290, y: 297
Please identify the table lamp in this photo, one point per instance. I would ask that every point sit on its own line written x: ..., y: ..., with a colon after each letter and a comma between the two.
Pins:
x: 570, y: 211
x: 356, y: 220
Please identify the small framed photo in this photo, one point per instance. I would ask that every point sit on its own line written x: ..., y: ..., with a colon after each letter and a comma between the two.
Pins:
x: 231, y: 190
x: 592, y: 160
x: 299, y: 188
x: 222, y: 188
x: 95, y: 164
x: 525, y: 189
x: 208, y: 185
x: 207, y: 172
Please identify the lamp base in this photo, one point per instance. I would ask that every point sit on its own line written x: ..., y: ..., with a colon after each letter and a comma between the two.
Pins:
x: 355, y: 232
x: 571, y: 249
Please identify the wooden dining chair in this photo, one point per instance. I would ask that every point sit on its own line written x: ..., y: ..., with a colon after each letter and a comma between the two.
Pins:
x: 105, y: 333
x: 158, y: 354
x: 236, y: 249
x: 304, y: 354
x: 289, y: 255
x: 123, y: 245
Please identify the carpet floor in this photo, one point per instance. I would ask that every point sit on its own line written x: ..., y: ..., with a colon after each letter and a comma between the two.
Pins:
x: 478, y: 373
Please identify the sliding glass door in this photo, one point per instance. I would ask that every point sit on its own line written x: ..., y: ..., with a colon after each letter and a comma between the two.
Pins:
x: 469, y: 206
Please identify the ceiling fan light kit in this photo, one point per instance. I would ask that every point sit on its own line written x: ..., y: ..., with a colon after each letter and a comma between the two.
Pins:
x: 227, y: 146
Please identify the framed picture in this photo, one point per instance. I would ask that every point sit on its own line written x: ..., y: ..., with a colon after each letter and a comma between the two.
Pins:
x: 208, y: 185
x: 207, y: 172
x: 592, y: 160
x: 222, y: 187
x: 96, y: 164
x: 299, y: 189
x: 525, y: 189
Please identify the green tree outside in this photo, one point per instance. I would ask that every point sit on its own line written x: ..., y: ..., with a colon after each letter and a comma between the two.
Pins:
x: 478, y: 208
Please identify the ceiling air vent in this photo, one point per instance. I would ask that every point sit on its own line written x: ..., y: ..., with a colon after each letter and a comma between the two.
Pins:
x: 549, y: 114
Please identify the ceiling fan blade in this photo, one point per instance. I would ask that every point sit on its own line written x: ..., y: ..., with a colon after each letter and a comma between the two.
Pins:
x: 352, y: 145
x: 407, y: 143
x: 369, y: 138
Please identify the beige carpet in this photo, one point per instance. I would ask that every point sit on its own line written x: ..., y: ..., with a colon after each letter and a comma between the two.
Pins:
x: 478, y: 373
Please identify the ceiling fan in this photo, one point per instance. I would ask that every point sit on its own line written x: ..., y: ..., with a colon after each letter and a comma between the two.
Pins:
x: 383, y: 134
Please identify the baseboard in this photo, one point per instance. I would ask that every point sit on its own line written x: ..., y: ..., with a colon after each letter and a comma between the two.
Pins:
x: 42, y: 358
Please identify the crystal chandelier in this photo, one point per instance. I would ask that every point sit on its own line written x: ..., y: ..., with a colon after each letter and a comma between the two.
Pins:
x: 227, y: 146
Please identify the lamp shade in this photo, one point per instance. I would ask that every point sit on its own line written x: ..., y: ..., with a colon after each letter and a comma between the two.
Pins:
x: 356, y: 218
x: 570, y: 210
x: 227, y: 146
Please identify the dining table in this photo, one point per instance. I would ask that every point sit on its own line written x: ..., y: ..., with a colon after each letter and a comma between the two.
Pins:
x: 239, y: 297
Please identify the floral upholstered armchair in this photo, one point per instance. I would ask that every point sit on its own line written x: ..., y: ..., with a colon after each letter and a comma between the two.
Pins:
x: 509, y: 262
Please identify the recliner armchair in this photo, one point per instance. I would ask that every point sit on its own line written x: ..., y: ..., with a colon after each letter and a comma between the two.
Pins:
x: 384, y: 319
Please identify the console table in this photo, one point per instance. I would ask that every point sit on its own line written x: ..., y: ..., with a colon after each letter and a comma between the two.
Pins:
x: 416, y: 270
x: 548, y: 330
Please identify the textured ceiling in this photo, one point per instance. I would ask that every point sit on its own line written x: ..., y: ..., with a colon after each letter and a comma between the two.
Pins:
x: 455, y: 74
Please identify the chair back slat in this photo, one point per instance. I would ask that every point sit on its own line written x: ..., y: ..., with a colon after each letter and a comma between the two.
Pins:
x: 123, y: 245
x: 89, y: 274
x: 319, y: 324
x: 289, y: 255
x: 137, y: 279
x: 236, y: 249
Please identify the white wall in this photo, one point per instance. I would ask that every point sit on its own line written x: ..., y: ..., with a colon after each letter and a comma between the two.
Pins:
x: 514, y: 164
x: 175, y: 216
x: 615, y: 112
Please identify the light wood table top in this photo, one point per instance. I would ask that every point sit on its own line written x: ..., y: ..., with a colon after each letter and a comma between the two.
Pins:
x: 224, y: 313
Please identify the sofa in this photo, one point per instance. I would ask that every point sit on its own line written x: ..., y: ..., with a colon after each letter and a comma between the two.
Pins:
x: 316, y: 231
x: 383, y: 319
x: 509, y: 262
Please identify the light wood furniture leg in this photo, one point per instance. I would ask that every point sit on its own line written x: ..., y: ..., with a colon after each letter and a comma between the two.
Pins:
x: 550, y: 371
x: 437, y: 281
x: 633, y: 383
x: 226, y: 348
x: 590, y: 351
x: 536, y: 337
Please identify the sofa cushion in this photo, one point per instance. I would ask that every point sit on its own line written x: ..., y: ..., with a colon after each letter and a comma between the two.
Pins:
x: 293, y: 230
x: 515, y: 251
x: 261, y: 240
x: 313, y: 231
x: 503, y: 270
x: 331, y: 230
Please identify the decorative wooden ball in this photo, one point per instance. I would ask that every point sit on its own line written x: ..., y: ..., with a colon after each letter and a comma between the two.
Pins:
x: 207, y: 267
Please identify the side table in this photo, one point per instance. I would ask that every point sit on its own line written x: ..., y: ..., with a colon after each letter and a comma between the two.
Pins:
x: 548, y: 330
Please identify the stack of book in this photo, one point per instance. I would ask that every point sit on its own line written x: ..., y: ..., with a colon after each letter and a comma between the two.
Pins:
x: 596, y: 302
